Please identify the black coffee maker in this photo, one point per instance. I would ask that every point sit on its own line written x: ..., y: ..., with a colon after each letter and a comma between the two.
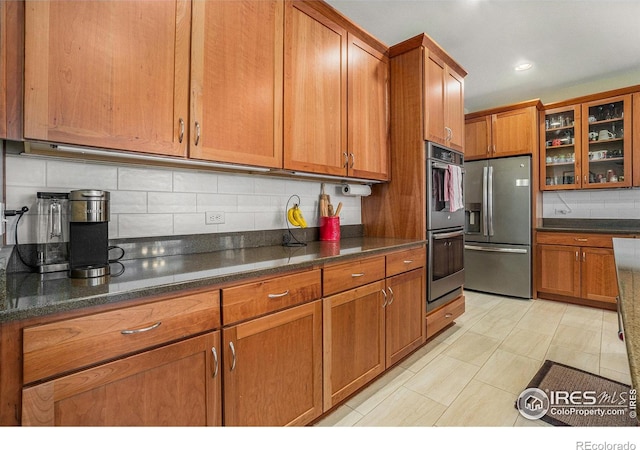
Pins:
x: 88, y: 233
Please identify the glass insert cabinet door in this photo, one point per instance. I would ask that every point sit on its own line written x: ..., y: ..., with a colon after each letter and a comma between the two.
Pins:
x: 606, y: 143
x: 560, y: 153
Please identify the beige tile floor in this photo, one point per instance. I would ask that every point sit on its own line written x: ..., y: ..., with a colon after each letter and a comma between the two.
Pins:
x: 471, y: 374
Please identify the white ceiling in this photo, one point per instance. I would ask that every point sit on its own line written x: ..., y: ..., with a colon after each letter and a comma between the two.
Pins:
x: 577, y: 47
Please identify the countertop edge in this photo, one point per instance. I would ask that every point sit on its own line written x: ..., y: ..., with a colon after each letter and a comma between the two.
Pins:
x: 10, y: 315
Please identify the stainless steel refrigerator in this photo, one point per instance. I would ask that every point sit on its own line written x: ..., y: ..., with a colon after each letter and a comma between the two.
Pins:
x: 497, y: 256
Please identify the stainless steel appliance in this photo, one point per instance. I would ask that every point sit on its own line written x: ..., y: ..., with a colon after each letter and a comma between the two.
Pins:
x: 498, y: 226
x: 445, y: 228
x: 89, y: 234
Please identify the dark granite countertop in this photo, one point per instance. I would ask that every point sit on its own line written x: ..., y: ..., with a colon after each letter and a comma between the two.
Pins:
x: 31, y: 295
x: 627, y: 257
x: 605, y: 226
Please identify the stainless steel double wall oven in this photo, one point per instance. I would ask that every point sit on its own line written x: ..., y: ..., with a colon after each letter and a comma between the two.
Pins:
x: 445, y: 228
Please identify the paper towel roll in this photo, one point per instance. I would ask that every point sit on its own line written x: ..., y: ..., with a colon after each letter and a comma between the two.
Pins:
x: 356, y: 189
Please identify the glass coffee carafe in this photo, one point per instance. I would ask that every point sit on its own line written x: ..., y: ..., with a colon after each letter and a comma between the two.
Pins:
x: 53, y: 231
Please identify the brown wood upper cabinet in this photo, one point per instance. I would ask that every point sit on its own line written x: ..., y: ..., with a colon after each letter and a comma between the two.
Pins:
x: 444, y: 103
x: 335, y: 98
x: 505, y: 131
x: 236, y: 82
x: 11, y: 65
x: 108, y: 74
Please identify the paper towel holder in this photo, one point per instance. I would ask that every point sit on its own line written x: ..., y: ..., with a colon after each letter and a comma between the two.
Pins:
x: 361, y: 190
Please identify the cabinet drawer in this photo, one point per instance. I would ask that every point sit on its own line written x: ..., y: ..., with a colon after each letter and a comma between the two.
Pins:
x: 405, y: 260
x: 261, y: 297
x: 578, y: 239
x: 442, y: 317
x: 341, y: 277
x: 71, y: 344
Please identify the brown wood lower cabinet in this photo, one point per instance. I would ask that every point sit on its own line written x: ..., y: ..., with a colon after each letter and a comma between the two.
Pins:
x: 581, y: 273
x: 273, y: 368
x: 174, y: 385
x: 444, y: 316
x: 404, y: 315
x: 354, y: 340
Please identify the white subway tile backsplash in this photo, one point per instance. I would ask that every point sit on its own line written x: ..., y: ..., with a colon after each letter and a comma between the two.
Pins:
x: 79, y: 175
x: 142, y: 225
x: 592, y: 204
x: 128, y: 202
x: 195, y: 182
x: 164, y: 202
x: 25, y: 172
x: 171, y: 202
x: 135, y: 179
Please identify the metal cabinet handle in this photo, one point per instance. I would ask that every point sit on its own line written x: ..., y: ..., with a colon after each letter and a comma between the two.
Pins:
x: 357, y: 275
x: 215, y: 362
x: 580, y: 239
x: 488, y: 149
x: 233, y: 354
x: 448, y: 315
x: 384, y: 305
x: 353, y: 160
x: 408, y: 261
x: 584, y: 256
x: 181, y: 135
x: 279, y: 295
x: 577, y: 257
x: 142, y: 330
x: 392, y: 296
x: 346, y: 159
x: 197, y: 133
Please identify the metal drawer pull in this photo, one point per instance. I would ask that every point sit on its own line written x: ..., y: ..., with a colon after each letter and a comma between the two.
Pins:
x: 580, y: 239
x: 356, y: 275
x: 233, y: 353
x: 279, y: 295
x: 142, y: 330
x: 392, y: 296
x: 197, y: 133
x: 384, y: 305
x: 215, y: 362
x: 446, y: 316
x: 408, y: 261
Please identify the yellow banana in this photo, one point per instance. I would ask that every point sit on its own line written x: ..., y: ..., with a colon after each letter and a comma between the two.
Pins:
x: 291, y: 217
x: 297, y: 215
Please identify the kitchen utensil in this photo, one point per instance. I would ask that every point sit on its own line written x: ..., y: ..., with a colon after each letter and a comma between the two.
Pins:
x: 324, y: 202
x: 330, y: 210
x: 338, y: 209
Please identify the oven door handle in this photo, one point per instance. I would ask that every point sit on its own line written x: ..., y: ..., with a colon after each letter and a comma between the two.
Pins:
x: 496, y: 250
x: 437, y: 236
x: 443, y: 166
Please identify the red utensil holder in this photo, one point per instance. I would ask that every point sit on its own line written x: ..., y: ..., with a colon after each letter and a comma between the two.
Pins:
x: 330, y: 228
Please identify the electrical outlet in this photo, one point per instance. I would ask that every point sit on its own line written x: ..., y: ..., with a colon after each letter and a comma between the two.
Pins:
x: 213, y: 217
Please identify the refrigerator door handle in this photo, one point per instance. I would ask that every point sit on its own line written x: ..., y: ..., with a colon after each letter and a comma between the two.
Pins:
x: 496, y: 250
x: 490, y: 200
x: 484, y: 200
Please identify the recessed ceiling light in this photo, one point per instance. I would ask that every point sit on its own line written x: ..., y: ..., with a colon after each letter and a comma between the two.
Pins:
x: 523, y: 66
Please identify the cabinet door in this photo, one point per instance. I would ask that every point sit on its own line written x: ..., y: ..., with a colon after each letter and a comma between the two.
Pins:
x: 236, y: 82
x: 368, y: 117
x: 559, y: 270
x: 599, y: 279
x: 514, y: 132
x: 636, y: 140
x: 273, y: 368
x: 174, y: 385
x: 477, y: 138
x: 606, y: 143
x: 405, y: 314
x: 11, y: 66
x: 315, y: 92
x: 434, y: 101
x: 560, y: 151
x: 454, y: 109
x: 108, y: 74
x: 354, y: 341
